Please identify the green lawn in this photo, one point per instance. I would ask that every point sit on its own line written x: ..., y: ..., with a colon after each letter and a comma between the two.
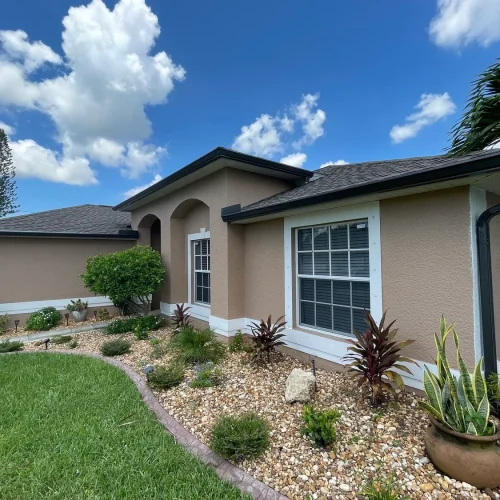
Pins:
x: 73, y: 427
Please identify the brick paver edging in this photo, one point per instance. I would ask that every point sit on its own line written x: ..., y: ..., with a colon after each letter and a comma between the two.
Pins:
x: 224, y: 469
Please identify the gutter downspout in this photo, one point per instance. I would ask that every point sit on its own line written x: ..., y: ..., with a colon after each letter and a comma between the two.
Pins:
x: 486, y: 289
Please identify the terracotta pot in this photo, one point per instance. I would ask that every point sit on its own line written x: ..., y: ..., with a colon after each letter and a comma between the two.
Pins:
x: 470, y: 459
x: 80, y: 316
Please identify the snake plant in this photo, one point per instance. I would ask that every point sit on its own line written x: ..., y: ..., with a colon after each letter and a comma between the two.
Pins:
x: 460, y: 404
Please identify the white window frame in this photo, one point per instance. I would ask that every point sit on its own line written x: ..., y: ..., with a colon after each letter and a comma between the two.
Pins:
x: 202, y: 235
x: 366, y: 211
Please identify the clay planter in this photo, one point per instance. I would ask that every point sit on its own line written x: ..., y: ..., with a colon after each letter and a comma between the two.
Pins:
x: 470, y: 459
x: 80, y: 316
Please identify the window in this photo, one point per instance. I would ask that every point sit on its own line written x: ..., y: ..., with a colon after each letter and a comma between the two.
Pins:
x: 202, y: 271
x: 333, y: 276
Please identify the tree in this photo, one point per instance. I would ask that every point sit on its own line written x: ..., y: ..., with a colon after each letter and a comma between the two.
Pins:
x: 480, y: 123
x: 128, y: 276
x: 7, y: 173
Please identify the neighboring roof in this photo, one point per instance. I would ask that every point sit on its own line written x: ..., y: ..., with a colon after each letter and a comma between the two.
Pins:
x: 239, y: 160
x: 356, y: 179
x: 83, y: 221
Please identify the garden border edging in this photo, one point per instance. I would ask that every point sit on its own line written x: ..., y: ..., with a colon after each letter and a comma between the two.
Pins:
x: 224, y: 469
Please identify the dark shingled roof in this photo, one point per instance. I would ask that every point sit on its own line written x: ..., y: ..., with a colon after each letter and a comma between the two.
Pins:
x: 82, y: 220
x: 336, y: 178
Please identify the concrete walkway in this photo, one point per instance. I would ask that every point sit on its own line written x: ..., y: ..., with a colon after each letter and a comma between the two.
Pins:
x: 31, y: 337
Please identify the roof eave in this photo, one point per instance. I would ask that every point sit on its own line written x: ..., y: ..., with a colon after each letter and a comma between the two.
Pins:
x: 126, y: 235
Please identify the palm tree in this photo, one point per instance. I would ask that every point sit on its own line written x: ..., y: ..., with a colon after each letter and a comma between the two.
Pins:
x: 480, y: 124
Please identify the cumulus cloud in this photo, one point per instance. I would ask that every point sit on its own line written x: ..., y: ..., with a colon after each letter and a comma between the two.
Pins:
x: 262, y: 137
x: 330, y: 163
x: 138, y: 189
x: 7, y: 128
x: 294, y: 159
x: 98, y: 103
x: 462, y: 22
x: 312, y: 120
x: 431, y: 108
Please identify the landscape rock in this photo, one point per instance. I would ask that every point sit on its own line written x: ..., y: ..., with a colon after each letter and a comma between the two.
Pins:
x: 298, y: 386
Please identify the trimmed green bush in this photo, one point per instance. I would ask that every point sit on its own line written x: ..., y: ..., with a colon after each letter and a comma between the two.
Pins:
x: 115, y: 347
x: 242, y: 437
x: 198, y: 347
x: 9, y: 346
x: 61, y: 339
x: 165, y: 377
x: 44, y: 319
x: 208, y: 375
x: 143, y: 323
x: 319, y: 426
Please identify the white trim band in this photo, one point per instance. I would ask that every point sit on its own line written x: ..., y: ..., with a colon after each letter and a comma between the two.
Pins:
x: 59, y: 304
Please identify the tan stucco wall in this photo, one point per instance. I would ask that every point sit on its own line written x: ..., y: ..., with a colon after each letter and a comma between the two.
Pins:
x: 264, y: 270
x: 427, y: 268
x: 36, y: 269
x: 223, y: 188
x: 491, y: 200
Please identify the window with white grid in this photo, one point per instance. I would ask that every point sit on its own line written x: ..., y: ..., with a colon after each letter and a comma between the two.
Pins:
x: 333, y: 276
x: 202, y: 271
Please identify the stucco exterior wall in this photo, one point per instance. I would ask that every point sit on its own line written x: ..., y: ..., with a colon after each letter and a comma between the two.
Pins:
x: 427, y: 268
x: 491, y: 200
x: 264, y: 270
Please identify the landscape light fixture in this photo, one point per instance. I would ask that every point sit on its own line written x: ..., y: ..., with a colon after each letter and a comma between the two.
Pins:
x: 95, y: 315
x: 16, y: 322
x: 46, y: 342
x: 67, y: 319
x: 313, y: 363
x: 147, y: 370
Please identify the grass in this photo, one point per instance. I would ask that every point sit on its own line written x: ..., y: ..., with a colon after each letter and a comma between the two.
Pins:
x: 75, y: 427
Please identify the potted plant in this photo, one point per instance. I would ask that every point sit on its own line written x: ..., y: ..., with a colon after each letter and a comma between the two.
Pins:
x: 461, y: 440
x: 78, y: 309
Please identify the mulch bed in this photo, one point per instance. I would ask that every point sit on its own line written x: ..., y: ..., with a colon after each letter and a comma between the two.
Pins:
x: 370, y: 442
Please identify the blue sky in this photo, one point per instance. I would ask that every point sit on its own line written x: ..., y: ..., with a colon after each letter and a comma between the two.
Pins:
x: 138, y: 90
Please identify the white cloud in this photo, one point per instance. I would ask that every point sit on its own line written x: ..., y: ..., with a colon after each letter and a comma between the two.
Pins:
x: 7, y: 128
x: 138, y: 189
x: 98, y: 105
x: 312, y: 120
x: 461, y: 22
x: 431, y: 108
x: 261, y: 138
x: 33, y: 160
x: 294, y: 159
x: 330, y: 163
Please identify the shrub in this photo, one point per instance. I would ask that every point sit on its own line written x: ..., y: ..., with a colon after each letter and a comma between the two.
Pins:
x: 198, y: 347
x: 73, y: 344
x: 103, y: 314
x: 140, y: 333
x: 145, y: 323
x: 159, y: 348
x: 115, y: 347
x: 77, y: 305
x: 382, y: 489
x: 136, y: 272
x: 266, y: 337
x: 62, y: 339
x: 373, y: 356
x: 164, y: 377
x: 493, y: 386
x: 181, y: 317
x: 319, y: 426
x: 461, y: 404
x: 44, y: 319
x: 4, y: 319
x: 208, y: 375
x: 242, y: 437
x: 237, y: 343
x: 8, y: 346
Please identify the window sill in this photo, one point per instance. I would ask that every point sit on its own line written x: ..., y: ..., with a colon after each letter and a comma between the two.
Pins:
x: 324, y: 333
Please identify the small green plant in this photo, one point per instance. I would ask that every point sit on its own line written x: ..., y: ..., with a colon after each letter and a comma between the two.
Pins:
x: 61, y: 339
x: 319, y: 426
x: 140, y: 333
x: 4, y: 319
x: 115, y: 347
x: 493, y: 387
x: 77, y: 305
x: 8, y: 346
x: 193, y: 346
x: 160, y: 348
x: 73, y: 344
x: 238, y: 344
x: 44, y: 319
x: 266, y: 337
x: 103, y: 314
x: 208, y: 375
x: 461, y: 405
x: 382, y: 489
x: 242, y: 437
x: 165, y: 377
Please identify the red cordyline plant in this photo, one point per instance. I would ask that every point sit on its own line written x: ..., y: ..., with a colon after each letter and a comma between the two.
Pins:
x: 266, y: 337
x: 374, y: 355
x: 181, y: 317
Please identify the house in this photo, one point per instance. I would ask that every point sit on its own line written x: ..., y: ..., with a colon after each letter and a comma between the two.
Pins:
x: 244, y: 237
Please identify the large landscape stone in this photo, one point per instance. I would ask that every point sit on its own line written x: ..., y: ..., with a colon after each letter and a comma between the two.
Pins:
x: 299, y: 385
